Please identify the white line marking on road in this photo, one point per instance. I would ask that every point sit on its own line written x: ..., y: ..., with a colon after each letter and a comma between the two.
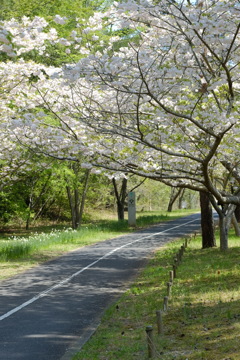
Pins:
x: 59, y: 284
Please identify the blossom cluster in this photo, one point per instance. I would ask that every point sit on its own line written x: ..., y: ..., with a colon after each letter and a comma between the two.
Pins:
x: 163, y: 104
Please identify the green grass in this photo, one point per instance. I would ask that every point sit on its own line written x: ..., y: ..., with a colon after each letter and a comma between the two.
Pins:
x: 203, y: 319
x: 22, y: 250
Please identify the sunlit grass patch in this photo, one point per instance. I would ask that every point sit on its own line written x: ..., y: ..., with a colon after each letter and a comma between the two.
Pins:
x: 16, y: 247
x: 31, y: 248
x: 203, y: 319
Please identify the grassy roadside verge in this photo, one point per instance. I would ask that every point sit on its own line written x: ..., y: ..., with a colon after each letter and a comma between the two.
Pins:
x: 19, y: 253
x: 203, y: 318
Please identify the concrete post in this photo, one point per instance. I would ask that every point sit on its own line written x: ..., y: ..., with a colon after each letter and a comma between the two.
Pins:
x: 131, y: 209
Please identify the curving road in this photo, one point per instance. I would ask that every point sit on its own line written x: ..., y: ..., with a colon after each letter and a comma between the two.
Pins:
x: 49, y: 312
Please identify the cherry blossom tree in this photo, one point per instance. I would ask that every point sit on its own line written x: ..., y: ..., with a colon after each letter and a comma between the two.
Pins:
x: 166, y: 106
x: 21, y: 103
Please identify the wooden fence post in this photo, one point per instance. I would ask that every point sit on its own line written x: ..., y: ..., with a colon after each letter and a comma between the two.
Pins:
x: 169, y: 287
x: 174, y: 271
x: 159, y: 322
x: 165, y: 303
x: 180, y: 254
x: 176, y: 261
x: 149, y: 331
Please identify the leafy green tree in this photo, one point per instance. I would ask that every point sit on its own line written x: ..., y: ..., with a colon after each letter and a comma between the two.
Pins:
x: 48, y: 8
x: 68, y: 11
x: 12, y: 204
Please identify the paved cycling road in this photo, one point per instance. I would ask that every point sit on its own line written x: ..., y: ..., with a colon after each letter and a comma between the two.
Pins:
x: 47, y: 310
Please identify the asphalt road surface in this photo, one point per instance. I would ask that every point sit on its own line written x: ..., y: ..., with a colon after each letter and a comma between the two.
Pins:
x: 50, y: 311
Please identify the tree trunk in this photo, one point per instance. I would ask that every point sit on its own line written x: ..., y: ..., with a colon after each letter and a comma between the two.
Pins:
x: 77, y: 204
x: 28, y: 220
x: 84, y: 195
x: 207, y: 223
x: 120, y: 197
x: 30, y: 206
x: 225, y: 218
x: 223, y: 233
x: 237, y: 213
x: 235, y: 225
x: 76, y: 207
x: 180, y: 200
x: 175, y: 193
x: 120, y: 210
x: 71, y: 204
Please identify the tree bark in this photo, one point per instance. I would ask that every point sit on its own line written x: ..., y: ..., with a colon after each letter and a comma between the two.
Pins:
x: 84, y: 195
x: 237, y: 213
x: 225, y: 218
x: 77, y: 205
x: 30, y: 205
x: 71, y: 204
x: 28, y: 220
x: 180, y: 200
x: 235, y: 225
x: 223, y: 233
x: 120, y: 211
x: 120, y: 196
x: 207, y: 223
x: 175, y: 193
